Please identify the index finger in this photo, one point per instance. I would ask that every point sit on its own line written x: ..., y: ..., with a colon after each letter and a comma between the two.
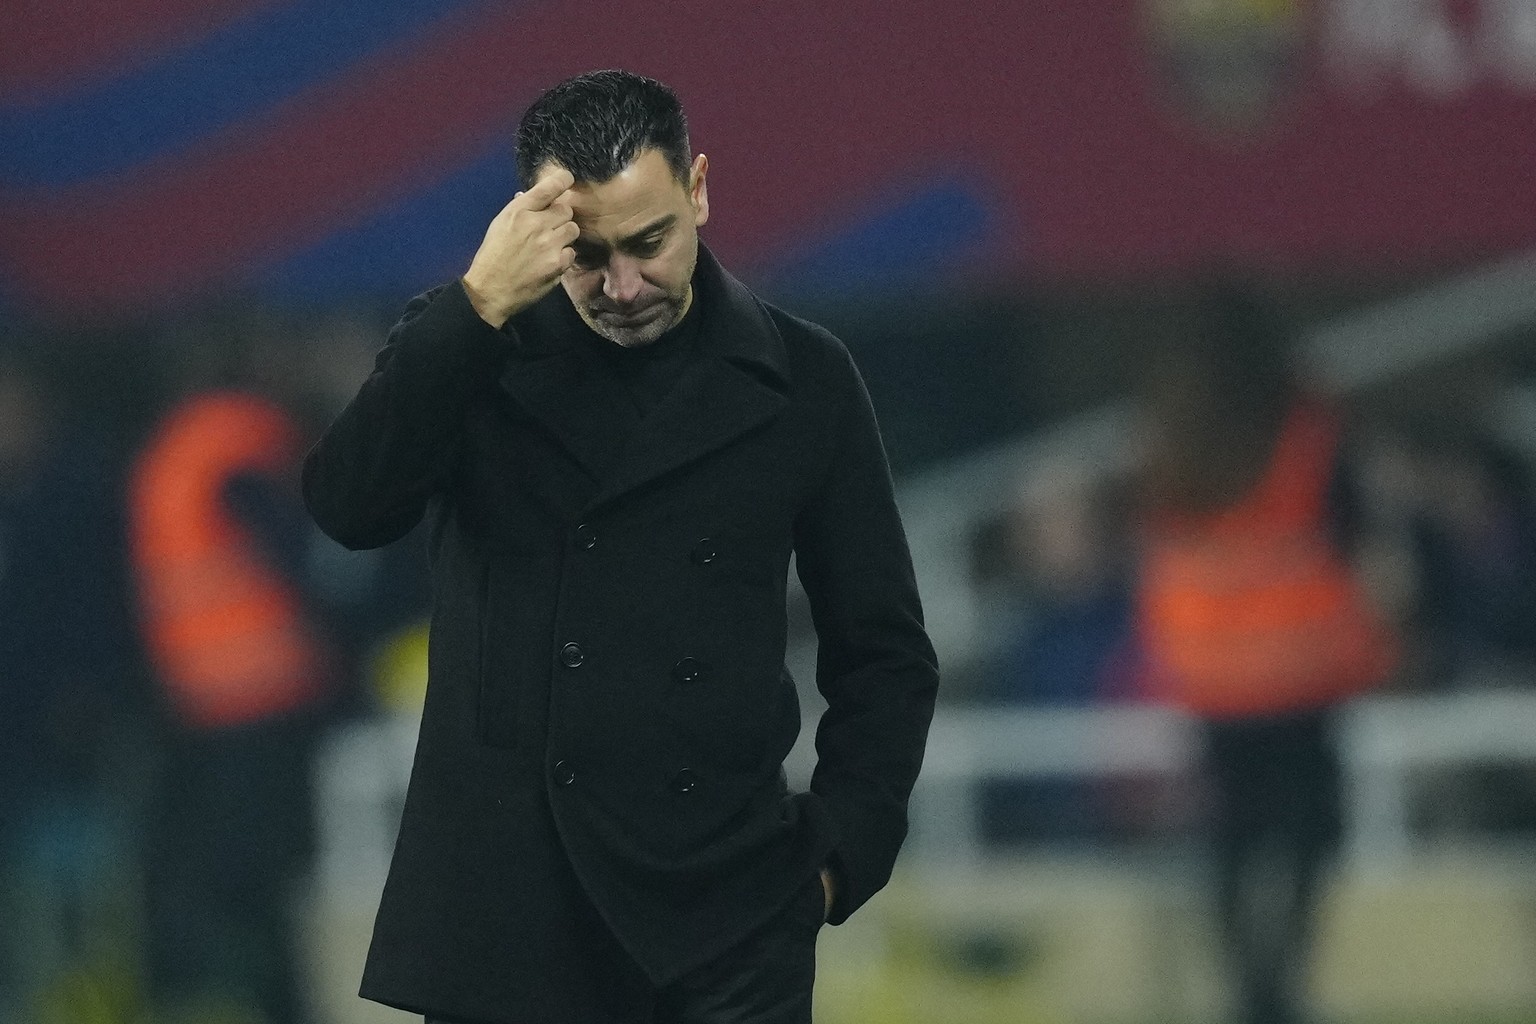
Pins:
x: 547, y: 188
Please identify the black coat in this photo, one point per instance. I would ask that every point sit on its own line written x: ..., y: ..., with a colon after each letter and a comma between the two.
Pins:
x: 608, y: 710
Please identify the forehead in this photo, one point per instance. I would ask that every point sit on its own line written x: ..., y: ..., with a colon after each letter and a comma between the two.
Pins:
x: 640, y: 194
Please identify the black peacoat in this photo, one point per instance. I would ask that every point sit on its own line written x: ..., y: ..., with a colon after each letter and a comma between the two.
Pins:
x: 608, y: 711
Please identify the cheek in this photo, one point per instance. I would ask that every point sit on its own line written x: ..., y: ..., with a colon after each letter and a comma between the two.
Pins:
x: 669, y: 272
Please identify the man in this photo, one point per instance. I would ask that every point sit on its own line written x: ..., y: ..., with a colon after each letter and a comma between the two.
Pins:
x: 616, y: 472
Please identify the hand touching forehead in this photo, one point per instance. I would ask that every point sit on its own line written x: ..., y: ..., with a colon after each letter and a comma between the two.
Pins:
x: 552, y: 183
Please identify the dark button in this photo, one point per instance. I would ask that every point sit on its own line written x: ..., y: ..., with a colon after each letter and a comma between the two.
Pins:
x: 564, y: 773
x: 571, y: 656
x: 586, y: 537
x: 683, y: 781
x: 704, y: 551
x: 689, y: 670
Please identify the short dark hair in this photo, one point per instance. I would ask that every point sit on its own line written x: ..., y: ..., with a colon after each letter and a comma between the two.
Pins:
x: 594, y: 125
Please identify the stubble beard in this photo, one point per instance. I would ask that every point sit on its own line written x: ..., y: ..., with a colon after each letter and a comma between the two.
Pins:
x: 641, y: 335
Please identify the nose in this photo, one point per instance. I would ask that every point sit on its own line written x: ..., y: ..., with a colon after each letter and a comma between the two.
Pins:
x: 621, y: 280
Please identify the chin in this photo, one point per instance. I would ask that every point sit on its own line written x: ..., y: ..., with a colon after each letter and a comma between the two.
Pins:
x: 637, y: 337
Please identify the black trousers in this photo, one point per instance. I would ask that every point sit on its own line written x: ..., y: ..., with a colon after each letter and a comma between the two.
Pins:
x: 764, y: 979
x: 1276, y: 824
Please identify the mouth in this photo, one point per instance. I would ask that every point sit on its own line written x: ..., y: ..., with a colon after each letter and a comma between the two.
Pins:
x: 637, y: 318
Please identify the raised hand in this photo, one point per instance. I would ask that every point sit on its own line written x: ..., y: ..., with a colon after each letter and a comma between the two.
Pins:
x: 525, y: 250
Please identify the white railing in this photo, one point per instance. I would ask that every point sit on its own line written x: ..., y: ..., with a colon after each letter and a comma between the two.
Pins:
x: 1390, y: 740
x: 1386, y: 741
x: 967, y: 747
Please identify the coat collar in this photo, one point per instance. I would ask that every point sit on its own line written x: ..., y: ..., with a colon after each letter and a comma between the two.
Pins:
x: 737, y: 379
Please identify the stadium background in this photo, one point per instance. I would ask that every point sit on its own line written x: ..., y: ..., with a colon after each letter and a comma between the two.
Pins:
x: 989, y: 203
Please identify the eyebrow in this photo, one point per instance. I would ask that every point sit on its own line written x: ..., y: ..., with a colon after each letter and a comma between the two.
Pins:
x: 659, y: 224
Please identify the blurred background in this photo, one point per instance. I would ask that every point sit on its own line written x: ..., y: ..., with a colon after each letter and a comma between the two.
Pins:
x: 1032, y: 225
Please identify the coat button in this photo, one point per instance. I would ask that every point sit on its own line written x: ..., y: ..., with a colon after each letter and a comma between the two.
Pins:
x: 684, y: 781
x: 564, y: 773
x: 571, y: 656
x: 689, y: 670
x: 704, y: 551
x: 586, y: 537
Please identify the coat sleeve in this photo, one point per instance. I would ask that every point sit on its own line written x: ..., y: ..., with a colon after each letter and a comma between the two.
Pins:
x: 367, y: 481
x: 875, y: 665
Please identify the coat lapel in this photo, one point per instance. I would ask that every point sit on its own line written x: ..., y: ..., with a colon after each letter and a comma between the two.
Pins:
x: 561, y: 385
x: 738, y: 381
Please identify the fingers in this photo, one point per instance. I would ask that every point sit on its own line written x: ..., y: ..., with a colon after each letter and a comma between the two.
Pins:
x: 548, y: 188
x: 565, y: 234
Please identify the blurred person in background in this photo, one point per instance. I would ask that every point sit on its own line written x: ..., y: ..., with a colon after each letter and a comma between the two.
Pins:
x: 1476, y: 546
x: 617, y: 448
x: 240, y: 649
x: 1254, y: 620
x: 1066, y: 536
x: 1474, y: 603
x: 66, y: 700
x: 1071, y: 638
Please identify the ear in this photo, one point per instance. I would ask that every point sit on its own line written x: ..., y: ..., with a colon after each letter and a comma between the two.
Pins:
x: 698, y: 191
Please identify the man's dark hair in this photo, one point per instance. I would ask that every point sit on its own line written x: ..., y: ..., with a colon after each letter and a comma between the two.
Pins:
x: 595, y: 124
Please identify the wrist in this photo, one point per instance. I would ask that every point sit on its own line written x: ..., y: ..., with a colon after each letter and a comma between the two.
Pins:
x: 492, y: 312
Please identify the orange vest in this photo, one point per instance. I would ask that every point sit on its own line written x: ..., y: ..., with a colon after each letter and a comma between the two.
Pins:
x: 224, y: 632
x: 1251, y: 610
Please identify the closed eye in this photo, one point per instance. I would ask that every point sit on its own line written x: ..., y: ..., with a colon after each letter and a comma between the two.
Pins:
x: 646, y: 248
